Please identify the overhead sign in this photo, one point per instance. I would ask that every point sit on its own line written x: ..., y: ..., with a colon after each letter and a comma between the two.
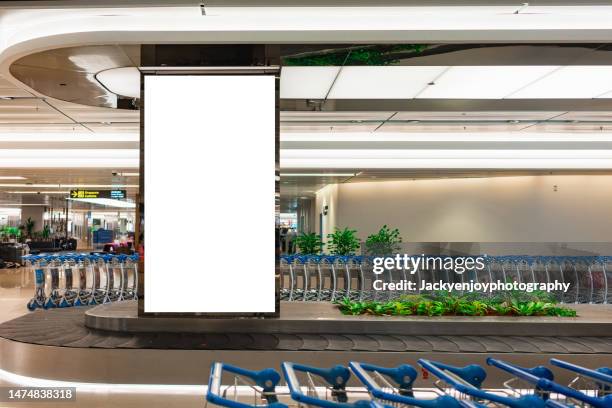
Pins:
x: 114, y: 194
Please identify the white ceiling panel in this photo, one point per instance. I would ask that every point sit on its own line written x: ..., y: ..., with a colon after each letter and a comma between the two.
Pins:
x: 288, y: 116
x: 475, y: 116
x: 483, y: 82
x: 575, y: 81
x: 396, y: 82
x: 328, y: 127
x: 82, y: 113
x: 451, y: 127
x: 29, y: 111
x: 306, y: 82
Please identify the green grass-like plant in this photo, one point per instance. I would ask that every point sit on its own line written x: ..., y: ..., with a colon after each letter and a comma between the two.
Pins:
x: 449, y: 304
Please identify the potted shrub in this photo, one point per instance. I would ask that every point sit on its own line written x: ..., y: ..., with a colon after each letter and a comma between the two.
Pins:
x: 385, y: 242
x: 343, y: 242
x: 309, y: 243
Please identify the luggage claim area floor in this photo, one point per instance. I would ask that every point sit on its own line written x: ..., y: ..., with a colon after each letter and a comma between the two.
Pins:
x: 439, y: 209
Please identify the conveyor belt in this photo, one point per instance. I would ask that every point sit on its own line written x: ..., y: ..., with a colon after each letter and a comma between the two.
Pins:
x: 66, y: 328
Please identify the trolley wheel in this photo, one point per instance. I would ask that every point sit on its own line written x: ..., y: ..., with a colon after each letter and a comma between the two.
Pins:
x: 32, y: 305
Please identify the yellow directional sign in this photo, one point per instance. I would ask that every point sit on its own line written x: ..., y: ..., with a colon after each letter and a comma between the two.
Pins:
x: 116, y: 194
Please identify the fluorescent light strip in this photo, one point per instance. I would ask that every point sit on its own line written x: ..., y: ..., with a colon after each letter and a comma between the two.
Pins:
x: 318, y: 174
x: 69, y: 137
x: 70, y: 158
x: 128, y: 174
x: 449, y: 163
x: 446, y: 137
x: 337, y: 154
x: 59, y: 185
x: 38, y: 192
x: 12, y: 178
x: 108, y: 202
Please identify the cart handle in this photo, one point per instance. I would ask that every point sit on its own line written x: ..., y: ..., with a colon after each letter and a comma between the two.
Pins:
x: 361, y: 372
x: 403, y: 375
x: 548, y: 385
x: 336, y: 376
x: 267, y: 379
x: 537, y: 371
x: 598, y: 374
x: 528, y: 401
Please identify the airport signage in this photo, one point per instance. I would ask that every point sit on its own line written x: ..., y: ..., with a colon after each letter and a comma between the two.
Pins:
x: 114, y: 194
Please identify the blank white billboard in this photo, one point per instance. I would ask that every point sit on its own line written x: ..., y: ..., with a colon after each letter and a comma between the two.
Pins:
x: 209, y: 193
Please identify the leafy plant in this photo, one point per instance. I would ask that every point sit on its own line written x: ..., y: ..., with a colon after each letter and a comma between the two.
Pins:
x: 46, y: 232
x: 361, y: 55
x: 385, y: 242
x: 309, y: 243
x: 29, y: 226
x: 449, y: 304
x: 343, y: 242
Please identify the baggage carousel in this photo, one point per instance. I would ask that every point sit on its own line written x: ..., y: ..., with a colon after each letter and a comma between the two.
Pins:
x: 111, y: 344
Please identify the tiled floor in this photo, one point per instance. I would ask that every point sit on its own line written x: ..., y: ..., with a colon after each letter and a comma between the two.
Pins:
x: 16, y: 288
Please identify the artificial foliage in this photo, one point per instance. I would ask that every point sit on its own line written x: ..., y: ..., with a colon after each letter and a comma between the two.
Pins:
x: 448, y: 304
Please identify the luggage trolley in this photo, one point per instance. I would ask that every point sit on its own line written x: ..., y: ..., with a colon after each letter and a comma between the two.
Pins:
x: 465, y: 383
x: 571, y: 396
x: 393, y: 386
x: 130, y: 269
x: 261, y: 385
x: 36, y: 264
x: 100, y: 281
x: 70, y: 274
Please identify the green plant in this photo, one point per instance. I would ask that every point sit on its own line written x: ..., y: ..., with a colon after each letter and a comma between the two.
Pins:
x: 449, y: 304
x: 343, y: 242
x: 46, y: 232
x: 385, y: 242
x: 309, y: 243
x: 29, y: 227
x: 360, y: 55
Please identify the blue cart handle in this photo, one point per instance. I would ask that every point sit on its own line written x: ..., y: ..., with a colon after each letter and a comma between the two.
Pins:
x: 548, y: 385
x: 587, y: 372
x: 437, y: 369
x: 266, y: 379
x: 403, y: 375
x: 336, y: 376
x: 473, y: 373
x: 538, y: 371
x: 361, y: 371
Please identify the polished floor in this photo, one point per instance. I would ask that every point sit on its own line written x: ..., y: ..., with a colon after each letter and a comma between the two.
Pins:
x: 16, y: 288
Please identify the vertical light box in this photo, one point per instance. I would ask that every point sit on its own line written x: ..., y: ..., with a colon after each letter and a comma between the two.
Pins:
x: 209, y: 185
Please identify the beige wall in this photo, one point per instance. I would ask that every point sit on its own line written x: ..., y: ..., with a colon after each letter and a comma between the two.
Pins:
x: 327, y: 196
x: 497, y: 209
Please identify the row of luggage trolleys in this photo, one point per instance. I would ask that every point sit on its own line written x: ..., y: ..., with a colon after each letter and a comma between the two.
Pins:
x: 77, y: 279
x: 329, y: 277
x: 381, y: 387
